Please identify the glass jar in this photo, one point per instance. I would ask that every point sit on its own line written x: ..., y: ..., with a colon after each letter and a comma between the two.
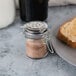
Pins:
x: 36, y: 39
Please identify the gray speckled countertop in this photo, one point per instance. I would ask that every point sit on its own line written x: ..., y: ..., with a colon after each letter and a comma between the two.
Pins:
x: 14, y: 62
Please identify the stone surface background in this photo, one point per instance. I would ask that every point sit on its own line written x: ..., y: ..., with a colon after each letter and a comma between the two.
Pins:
x: 14, y: 62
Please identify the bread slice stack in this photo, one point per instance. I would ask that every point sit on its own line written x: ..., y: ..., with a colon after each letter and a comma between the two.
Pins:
x: 67, y: 33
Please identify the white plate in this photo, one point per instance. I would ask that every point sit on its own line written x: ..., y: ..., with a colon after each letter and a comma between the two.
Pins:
x: 64, y: 51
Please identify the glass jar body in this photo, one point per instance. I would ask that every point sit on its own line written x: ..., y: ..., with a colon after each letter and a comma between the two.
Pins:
x: 36, y: 48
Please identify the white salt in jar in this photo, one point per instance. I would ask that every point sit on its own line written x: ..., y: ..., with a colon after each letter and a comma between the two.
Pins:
x: 36, y: 34
x: 7, y: 12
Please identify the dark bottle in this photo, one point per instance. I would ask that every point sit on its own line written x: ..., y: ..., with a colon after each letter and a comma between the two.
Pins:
x: 33, y: 10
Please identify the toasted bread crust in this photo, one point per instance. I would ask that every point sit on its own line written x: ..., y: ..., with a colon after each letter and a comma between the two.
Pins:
x: 63, y: 38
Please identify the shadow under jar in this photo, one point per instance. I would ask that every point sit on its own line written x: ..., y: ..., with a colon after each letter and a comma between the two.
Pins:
x: 33, y: 10
x: 36, y: 35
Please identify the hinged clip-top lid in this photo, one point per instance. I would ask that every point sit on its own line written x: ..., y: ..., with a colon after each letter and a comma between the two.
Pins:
x: 35, y: 29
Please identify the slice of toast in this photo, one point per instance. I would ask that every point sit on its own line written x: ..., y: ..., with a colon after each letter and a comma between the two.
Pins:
x: 67, y: 33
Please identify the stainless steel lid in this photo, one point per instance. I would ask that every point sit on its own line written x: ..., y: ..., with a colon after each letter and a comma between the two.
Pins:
x: 35, y: 30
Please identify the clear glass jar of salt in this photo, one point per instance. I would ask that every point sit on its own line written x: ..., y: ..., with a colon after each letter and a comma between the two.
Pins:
x: 36, y: 34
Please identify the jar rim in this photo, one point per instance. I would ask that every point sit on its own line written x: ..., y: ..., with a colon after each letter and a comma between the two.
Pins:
x: 36, y: 31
